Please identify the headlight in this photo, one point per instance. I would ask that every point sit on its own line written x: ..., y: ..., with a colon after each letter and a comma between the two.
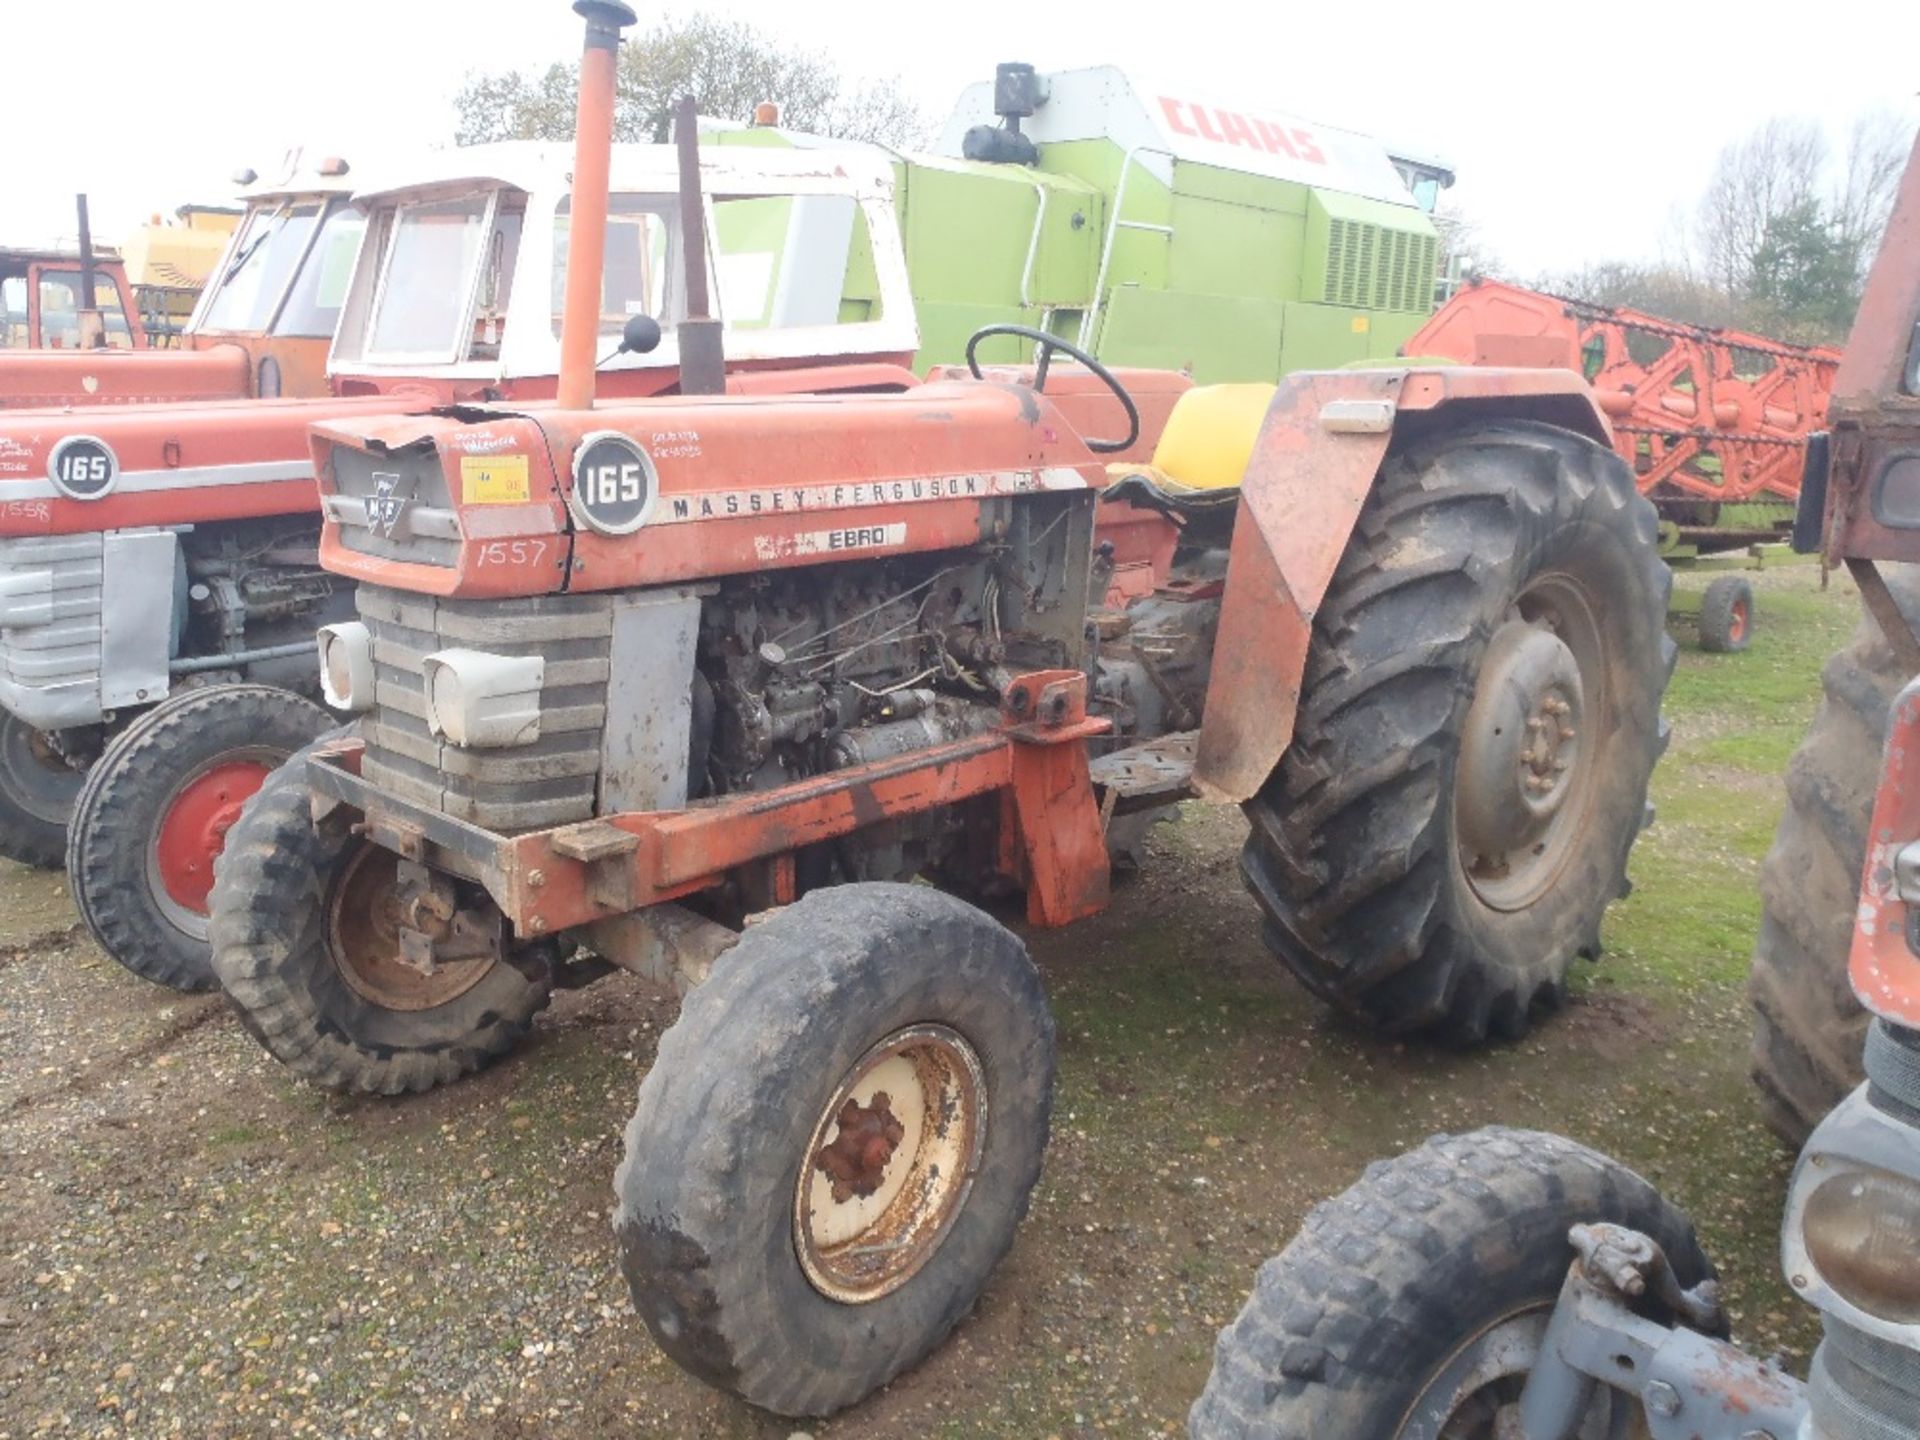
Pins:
x: 1861, y: 1229
x: 346, y: 666
x: 484, y: 701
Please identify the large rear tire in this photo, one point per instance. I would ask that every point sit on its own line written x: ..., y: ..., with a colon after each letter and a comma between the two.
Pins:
x: 154, y: 814
x: 835, y: 1144
x: 1478, y: 721
x: 1411, y: 1306
x: 37, y: 791
x: 1808, y: 1028
x: 304, y: 946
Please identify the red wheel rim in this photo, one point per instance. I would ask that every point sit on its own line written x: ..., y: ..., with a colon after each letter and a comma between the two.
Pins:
x: 1737, y: 624
x: 194, y: 829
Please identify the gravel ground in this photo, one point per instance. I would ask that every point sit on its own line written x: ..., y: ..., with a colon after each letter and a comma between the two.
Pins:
x: 196, y: 1245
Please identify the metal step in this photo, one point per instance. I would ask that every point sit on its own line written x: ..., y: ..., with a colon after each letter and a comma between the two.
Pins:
x: 1143, y: 777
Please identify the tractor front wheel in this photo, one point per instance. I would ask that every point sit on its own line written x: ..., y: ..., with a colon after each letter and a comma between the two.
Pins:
x: 1477, y: 724
x: 155, y: 812
x: 37, y: 791
x: 1411, y: 1307
x: 835, y: 1144
x: 306, y: 943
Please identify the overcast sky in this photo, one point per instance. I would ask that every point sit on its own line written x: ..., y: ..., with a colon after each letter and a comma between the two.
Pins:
x: 1580, y: 131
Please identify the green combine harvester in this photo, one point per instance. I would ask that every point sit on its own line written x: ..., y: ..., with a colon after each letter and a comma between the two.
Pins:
x: 1149, y: 226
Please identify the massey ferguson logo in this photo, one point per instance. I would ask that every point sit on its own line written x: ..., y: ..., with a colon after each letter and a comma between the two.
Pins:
x: 386, y: 505
x: 1230, y: 127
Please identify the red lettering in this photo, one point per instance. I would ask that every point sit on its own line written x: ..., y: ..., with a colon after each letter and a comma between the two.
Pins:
x: 1203, y: 123
x: 1237, y: 130
x: 1274, y: 138
x: 1174, y: 122
x: 1306, y: 149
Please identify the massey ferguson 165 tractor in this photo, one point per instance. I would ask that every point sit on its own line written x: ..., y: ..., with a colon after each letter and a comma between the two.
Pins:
x: 1435, y: 1297
x: 697, y: 687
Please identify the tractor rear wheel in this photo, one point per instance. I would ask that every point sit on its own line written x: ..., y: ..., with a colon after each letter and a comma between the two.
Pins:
x: 155, y: 812
x: 1808, y: 1029
x: 305, y: 943
x: 835, y: 1144
x: 1477, y: 724
x: 1411, y: 1307
x: 37, y: 791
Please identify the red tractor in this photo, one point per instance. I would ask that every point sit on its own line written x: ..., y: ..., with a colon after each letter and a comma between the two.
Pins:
x: 1435, y: 1297
x: 626, y: 677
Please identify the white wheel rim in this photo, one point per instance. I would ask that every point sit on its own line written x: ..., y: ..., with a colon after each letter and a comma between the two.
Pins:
x: 877, y: 1194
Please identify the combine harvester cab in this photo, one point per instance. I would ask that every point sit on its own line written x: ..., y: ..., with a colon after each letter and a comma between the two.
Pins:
x: 627, y: 674
x: 1153, y: 227
x: 261, y: 326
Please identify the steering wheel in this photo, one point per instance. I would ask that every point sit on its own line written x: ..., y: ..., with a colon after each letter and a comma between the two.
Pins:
x: 1049, y: 343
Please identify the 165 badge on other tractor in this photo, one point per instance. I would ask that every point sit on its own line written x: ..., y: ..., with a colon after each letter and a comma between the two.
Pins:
x: 1418, y: 635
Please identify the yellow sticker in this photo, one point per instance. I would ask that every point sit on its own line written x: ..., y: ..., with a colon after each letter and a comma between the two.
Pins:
x: 494, y: 479
x: 1362, y: 324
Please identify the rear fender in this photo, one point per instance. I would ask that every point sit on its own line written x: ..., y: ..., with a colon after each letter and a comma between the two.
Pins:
x: 1320, y: 449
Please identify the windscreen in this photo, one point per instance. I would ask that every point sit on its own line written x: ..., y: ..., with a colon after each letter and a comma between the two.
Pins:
x: 424, y: 294
x: 248, y: 288
x: 320, y: 289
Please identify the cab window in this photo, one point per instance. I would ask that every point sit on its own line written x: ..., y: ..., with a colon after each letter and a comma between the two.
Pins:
x: 429, y: 276
x: 320, y: 289
x: 60, y: 310
x: 13, y: 313
x: 641, y: 260
x: 258, y: 267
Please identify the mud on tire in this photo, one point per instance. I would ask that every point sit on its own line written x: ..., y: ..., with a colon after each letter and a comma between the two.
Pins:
x: 1356, y: 854
x: 722, y: 1141
x: 1808, y: 1029
x: 122, y: 883
x: 1727, y: 615
x: 274, y: 894
x: 1385, y: 1285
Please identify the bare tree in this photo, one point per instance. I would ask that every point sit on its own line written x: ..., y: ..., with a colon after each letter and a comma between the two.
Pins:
x: 1773, y: 171
x: 726, y: 65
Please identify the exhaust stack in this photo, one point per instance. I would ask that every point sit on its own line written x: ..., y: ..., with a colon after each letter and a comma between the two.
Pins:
x: 592, y: 167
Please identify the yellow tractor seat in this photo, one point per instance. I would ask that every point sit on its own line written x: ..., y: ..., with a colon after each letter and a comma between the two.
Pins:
x: 1203, y: 450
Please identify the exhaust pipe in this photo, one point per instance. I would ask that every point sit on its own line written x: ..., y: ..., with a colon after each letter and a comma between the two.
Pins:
x: 592, y: 168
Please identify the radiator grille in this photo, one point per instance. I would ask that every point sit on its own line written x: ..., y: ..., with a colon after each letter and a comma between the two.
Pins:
x: 50, y: 605
x: 526, y: 787
x: 1375, y: 269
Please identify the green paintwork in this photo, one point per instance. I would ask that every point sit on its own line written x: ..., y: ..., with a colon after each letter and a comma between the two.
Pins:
x: 1223, y: 273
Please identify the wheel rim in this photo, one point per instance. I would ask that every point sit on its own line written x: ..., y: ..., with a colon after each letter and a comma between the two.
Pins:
x: 1523, y: 785
x: 1476, y: 1394
x: 890, y: 1163
x: 363, y: 940
x: 36, y: 778
x: 192, y: 832
x: 1737, y: 622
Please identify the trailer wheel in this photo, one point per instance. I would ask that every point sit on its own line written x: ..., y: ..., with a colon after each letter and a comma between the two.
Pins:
x: 37, y: 791
x: 1411, y: 1307
x: 1727, y: 615
x: 1808, y: 1028
x: 1478, y: 721
x: 303, y: 921
x: 154, y: 814
x: 835, y: 1144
